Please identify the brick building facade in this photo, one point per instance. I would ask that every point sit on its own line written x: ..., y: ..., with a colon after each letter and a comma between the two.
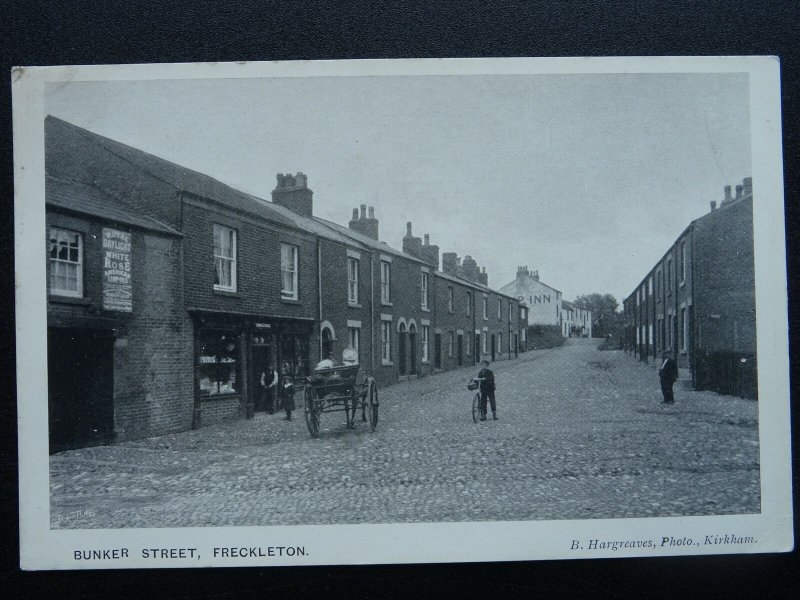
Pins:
x: 698, y: 301
x: 229, y: 288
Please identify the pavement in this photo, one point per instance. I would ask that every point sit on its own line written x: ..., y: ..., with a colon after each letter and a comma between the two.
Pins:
x: 581, y: 435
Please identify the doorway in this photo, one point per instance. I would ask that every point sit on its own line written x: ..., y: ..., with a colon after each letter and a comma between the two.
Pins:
x: 262, y: 364
x: 412, y: 342
x: 80, y: 387
x: 401, y: 348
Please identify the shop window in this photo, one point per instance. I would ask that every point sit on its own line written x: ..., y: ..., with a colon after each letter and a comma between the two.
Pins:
x: 66, y: 263
x: 218, y: 363
x: 224, y: 258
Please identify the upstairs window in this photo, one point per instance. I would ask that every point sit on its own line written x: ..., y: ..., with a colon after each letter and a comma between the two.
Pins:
x: 469, y: 304
x: 485, y: 309
x: 289, y: 272
x: 224, y: 258
x: 450, y: 298
x: 424, y: 287
x: 682, y: 262
x: 386, y: 277
x: 499, y: 309
x: 66, y: 263
x: 352, y: 280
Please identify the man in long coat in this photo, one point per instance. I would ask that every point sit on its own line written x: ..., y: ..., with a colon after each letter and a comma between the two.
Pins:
x: 668, y: 373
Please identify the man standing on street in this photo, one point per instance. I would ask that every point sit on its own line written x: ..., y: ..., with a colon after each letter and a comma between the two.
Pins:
x: 486, y: 377
x: 668, y: 373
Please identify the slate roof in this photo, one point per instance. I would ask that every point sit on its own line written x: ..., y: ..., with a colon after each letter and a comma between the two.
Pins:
x: 368, y: 241
x: 88, y: 200
x: 176, y: 176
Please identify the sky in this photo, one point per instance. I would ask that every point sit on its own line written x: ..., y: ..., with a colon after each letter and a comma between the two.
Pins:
x: 586, y: 178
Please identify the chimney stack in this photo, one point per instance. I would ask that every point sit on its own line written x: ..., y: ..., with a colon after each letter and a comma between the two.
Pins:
x: 483, y: 277
x: 748, y: 186
x: 739, y: 192
x: 430, y: 252
x: 450, y: 263
x: 536, y: 274
x: 292, y: 192
x: 713, y: 205
x: 412, y: 245
x: 728, y: 197
x: 362, y: 224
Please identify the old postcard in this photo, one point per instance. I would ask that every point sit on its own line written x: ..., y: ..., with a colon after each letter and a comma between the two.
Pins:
x: 356, y: 312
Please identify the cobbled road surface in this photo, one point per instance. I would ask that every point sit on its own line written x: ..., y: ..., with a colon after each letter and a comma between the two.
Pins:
x: 581, y: 435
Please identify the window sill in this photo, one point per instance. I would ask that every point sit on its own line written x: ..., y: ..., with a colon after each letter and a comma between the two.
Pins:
x: 425, y: 362
x: 387, y: 363
x: 227, y: 396
x: 682, y: 283
x: 354, y: 305
x: 70, y: 300
x: 227, y: 293
x: 384, y: 303
x: 291, y: 301
x: 425, y: 309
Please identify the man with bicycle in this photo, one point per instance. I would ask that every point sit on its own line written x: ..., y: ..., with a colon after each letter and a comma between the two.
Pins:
x: 486, y: 377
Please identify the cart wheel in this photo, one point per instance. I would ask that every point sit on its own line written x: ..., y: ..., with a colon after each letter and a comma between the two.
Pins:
x: 476, y: 407
x: 311, y: 411
x: 372, y: 409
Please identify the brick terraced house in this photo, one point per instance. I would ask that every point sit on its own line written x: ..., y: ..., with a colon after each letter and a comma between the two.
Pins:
x: 698, y: 301
x: 171, y: 293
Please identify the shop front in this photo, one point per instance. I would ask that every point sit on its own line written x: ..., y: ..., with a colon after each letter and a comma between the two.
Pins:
x: 234, y: 354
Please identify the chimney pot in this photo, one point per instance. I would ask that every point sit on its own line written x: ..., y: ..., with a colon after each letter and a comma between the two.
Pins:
x: 408, y: 229
x: 738, y: 192
x: 427, y: 239
x: 728, y: 193
x: 363, y: 211
x: 748, y: 186
x: 355, y: 214
x: 371, y: 212
x: 713, y: 205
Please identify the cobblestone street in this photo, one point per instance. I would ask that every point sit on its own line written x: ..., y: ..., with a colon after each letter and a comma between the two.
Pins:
x: 581, y: 435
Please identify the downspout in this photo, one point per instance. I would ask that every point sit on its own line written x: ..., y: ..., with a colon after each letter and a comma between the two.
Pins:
x: 319, y: 297
x: 372, y: 313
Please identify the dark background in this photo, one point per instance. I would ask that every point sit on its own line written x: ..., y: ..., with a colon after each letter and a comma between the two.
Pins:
x: 41, y: 32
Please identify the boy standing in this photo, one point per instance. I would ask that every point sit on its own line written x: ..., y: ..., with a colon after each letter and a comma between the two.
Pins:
x: 486, y: 377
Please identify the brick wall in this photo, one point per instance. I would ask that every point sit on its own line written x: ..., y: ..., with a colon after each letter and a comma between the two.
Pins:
x: 724, y: 297
x: 258, y: 265
x: 153, y: 388
x: 455, y: 321
x: 335, y: 307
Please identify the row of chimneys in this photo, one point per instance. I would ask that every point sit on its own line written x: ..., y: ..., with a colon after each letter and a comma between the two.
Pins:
x: 292, y: 192
x: 742, y: 191
x: 524, y: 272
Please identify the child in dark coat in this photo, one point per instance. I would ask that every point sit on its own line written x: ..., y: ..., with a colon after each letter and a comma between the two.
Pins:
x: 486, y: 377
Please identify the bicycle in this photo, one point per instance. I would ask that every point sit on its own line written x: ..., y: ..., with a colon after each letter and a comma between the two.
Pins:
x: 473, y: 385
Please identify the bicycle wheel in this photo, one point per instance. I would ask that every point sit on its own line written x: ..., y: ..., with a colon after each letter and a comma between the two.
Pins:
x: 476, y: 407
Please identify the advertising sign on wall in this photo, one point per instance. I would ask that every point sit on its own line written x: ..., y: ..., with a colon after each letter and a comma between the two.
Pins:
x: 117, y: 290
